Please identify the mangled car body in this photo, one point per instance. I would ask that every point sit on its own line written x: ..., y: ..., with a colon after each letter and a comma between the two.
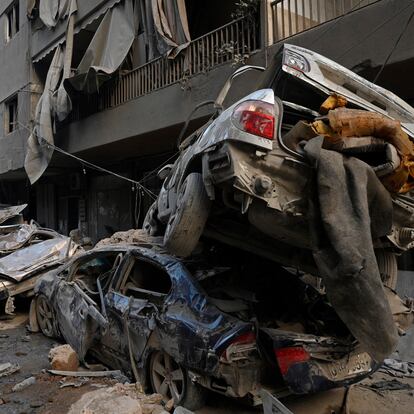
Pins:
x: 26, y: 251
x: 313, y: 170
x: 181, y: 327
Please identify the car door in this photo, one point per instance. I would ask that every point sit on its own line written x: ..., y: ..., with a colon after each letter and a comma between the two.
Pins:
x: 80, y: 316
x: 135, y: 304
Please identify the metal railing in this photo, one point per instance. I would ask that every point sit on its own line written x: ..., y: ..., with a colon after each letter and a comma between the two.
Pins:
x: 290, y: 17
x: 230, y: 43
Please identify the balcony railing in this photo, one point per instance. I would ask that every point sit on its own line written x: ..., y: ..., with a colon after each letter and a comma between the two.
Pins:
x: 294, y: 16
x: 230, y: 43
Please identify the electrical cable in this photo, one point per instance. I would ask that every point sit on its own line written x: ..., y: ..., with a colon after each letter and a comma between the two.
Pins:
x: 380, y: 26
x: 394, y: 48
x: 90, y: 165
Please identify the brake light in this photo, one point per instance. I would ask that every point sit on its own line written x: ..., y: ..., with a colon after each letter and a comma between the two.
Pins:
x: 240, y: 348
x: 255, y: 117
x: 286, y: 357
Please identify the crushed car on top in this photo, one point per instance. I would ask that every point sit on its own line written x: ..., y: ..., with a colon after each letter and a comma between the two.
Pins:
x: 313, y: 170
x: 26, y: 252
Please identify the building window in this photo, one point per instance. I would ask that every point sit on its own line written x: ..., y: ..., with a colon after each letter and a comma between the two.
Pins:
x: 10, y: 113
x: 12, y: 21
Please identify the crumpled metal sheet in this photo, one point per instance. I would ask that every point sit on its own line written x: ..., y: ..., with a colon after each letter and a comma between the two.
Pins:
x: 7, y: 213
x: 345, y: 123
x: 29, y: 260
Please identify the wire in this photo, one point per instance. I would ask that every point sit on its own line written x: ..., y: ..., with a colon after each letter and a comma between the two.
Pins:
x: 43, y: 141
x: 393, y: 48
x: 361, y: 41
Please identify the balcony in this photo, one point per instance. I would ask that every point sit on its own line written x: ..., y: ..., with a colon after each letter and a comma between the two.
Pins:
x: 290, y: 17
x: 231, y: 43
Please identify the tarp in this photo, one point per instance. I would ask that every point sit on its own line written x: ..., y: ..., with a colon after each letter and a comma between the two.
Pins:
x: 51, y: 11
x: 352, y: 208
x: 108, y: 48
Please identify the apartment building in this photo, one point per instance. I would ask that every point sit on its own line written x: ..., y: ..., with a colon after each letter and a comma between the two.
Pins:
x: 130, y: 95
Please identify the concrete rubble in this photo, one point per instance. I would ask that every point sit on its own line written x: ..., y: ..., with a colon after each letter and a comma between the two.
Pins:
x: 121, y: 398
x: 63, y: 358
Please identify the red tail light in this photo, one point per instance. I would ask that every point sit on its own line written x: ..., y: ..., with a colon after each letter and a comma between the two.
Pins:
x: 255, y: 117
x: 286, y: 357
x: 240, y: 348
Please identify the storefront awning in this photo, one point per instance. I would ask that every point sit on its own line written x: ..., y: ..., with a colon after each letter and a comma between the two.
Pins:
x: 79, y: 25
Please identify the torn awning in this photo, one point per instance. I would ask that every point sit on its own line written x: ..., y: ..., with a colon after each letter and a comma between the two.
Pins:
x: 79, y: 25
x: 108, y: 49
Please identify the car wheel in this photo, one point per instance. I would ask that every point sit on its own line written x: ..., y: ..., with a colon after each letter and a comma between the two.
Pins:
x: 171, y: 381
x: 388, y: 268
x: 187, y: 222
x: 151, y: 223
x: 45, y: 317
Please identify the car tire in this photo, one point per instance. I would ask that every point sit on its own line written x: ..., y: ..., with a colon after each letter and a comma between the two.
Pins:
x: 187, y: 222
x: 45, y: 316
x: 171, y: 380
x: 151, y: 224
x: 388, y: 267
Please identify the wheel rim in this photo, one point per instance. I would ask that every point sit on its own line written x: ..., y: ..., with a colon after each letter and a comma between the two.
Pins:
x: 45, y: 316
x: 167, y: 377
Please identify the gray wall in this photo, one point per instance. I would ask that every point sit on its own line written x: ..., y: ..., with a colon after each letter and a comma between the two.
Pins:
x: 15, y: 74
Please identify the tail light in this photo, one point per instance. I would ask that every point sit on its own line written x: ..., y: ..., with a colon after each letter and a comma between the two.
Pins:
x: 240, y: 348
x: 286, y: 357
x: 255, y: 117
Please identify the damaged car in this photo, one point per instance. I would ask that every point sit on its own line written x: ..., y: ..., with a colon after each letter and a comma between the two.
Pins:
x: 184, y: 327
x: 314, y: 170
x: 26, y: 252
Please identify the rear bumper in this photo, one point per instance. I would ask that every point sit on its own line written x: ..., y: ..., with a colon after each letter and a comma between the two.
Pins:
x: 309, y: 378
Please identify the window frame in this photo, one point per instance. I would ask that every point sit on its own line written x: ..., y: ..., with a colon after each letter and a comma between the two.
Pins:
x: 12, y: 16
x: 11, y: 126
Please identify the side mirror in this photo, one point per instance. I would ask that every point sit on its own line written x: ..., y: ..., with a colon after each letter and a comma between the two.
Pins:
x: 164, y: 172
x: 223, y: 93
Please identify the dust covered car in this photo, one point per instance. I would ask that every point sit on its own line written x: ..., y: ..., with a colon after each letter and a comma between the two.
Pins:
x: 26, y: 251
x: 314, y: 170
x: 184, y: 327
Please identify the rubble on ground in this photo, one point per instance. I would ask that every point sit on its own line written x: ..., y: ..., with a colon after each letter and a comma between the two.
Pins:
x: 121, y: 398
x: 63, y: 358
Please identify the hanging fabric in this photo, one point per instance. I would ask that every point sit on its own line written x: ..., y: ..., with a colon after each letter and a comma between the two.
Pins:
x: 108, y: 49
x: 54, y: 104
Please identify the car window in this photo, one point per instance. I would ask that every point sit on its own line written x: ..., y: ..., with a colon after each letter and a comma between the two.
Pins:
x: 86, y: 272
x: 146, y: 280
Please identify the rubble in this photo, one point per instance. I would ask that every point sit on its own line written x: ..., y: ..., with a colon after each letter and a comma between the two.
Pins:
x: 24, y: 384
x: 121, y: 398
x: 8, y: 369
x: 63, y: 358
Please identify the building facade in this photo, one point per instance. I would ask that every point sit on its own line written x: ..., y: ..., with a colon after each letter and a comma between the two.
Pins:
x: 128, y: 121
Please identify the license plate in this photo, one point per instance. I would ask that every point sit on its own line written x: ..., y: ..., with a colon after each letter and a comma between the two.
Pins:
x: 350, y: 366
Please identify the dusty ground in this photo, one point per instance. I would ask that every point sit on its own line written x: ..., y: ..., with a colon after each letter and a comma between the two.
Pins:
x: 30, y: 351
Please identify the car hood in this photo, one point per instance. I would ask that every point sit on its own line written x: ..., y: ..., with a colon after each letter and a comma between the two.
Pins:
x: 332, y: 78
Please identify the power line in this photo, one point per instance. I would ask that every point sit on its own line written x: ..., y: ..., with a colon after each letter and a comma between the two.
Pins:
x: 137, y: 185
x: 380, y: 26
x: 393, y: 48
